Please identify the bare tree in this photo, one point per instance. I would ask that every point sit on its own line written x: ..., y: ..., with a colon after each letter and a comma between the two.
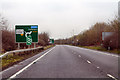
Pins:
x: 93, y: 36
x: 3, y: 23
x: 8, y: 39
x: 43, y: 39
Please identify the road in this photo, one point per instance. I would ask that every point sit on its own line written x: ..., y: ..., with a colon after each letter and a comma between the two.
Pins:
x: 63, y: 61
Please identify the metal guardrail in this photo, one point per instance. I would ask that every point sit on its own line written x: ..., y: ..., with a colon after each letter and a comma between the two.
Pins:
x: 21, y: 50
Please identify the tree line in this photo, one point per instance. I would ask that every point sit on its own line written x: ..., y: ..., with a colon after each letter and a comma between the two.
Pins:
x: 93, y: 36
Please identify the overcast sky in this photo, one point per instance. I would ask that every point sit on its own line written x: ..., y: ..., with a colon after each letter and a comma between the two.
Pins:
x: 59, y: 17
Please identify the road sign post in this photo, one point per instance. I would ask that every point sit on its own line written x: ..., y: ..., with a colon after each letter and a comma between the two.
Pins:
x: 18, y: 45
x: 34, y: 45
x: 51, y: 41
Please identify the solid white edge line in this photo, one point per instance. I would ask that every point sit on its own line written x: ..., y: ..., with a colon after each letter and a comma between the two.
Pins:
x: 111, y: 76
x: 13, y: 76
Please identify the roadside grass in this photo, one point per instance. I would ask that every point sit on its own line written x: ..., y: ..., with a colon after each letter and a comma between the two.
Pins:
x: 1, y: 53
x: 10, y: 60
x: 114, y: 51
x: 99, y: 48
x: 47, y: 47
x: 95, y: 47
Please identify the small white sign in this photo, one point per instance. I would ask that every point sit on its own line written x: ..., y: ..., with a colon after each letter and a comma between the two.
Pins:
x: 20, y: 31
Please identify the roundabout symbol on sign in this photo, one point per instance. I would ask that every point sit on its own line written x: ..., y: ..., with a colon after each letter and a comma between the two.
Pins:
x: 28, y: 38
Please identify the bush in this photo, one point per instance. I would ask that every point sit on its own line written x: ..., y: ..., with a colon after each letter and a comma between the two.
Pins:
x: 43, y: 39
x: 111, y: 42
x: 8, y: 40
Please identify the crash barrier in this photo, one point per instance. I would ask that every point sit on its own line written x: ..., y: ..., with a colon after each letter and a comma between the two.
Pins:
x: 22, y: 52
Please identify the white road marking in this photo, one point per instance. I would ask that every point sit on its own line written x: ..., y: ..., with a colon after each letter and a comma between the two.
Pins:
x: 98, y: 67
x: 89, y: 62
x: 79, y: 55
x: 13, y: 76
x: 111, y: 76
x: 14, y: 66
x: 105, y: 53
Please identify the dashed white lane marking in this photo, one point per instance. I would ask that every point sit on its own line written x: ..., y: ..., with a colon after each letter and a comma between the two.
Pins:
x: 88, y: 62
x: 105, y: 53
x: 13, y: 76
x: 111, y: 76
x: 98, y: 67
x: 79, y: 55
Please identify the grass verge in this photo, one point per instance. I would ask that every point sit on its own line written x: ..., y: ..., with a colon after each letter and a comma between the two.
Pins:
x: 49, y: 46
x: 99, y: 48
x: 1, y: 53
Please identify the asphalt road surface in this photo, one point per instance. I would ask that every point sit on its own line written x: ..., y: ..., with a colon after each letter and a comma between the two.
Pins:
x: 63, y: 61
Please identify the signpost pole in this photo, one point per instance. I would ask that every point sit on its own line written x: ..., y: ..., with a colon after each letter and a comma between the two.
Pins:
x: 28, y: 46
x: 18, y: 45
x: 34, y: 45
x: 1, y: 52
x: 0, y: 41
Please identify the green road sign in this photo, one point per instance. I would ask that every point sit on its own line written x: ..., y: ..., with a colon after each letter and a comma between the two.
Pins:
x: 52, y: 41
x: 23, y: 33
